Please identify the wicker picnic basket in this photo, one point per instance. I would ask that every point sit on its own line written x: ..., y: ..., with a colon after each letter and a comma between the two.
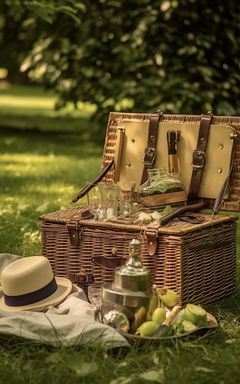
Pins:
x: 197, y: 260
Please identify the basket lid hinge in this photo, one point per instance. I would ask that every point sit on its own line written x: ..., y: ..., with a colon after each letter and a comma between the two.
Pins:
x: 74, y: 232
x: 152, y: 234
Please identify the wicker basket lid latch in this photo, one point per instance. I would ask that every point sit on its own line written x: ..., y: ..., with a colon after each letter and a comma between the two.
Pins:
x: 152, y: 231
x: 151, y: 234
x: 74, y: 232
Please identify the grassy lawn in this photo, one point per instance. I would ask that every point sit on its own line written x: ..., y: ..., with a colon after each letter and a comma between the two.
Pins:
x: 41, y: 170
x: 32, y: 108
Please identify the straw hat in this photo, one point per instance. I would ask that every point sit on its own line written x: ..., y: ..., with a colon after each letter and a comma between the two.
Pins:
x: 28, y: 284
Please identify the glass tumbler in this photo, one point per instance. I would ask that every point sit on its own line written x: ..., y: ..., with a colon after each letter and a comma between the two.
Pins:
x: 95, y: 202
x: 126, y: 200
x: 110, y: 194
x: 94, y: 297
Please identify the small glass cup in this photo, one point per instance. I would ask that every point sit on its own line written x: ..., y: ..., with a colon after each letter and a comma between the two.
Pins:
x: 110, y: 194
x: 94, y: 295
x: 126, y: 200
x: 95, y: 202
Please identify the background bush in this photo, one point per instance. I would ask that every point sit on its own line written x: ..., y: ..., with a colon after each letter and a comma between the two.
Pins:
x: 180, y: 56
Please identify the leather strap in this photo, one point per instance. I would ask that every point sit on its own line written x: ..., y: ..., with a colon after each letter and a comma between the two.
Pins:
x: 151, y: 232
x: 189, y: 217
x: 82, y: 279
x: 88, y: 187
x: 150, y: 150
x: 74, y: 232
x: 199, y: 155
x: 179, y: 211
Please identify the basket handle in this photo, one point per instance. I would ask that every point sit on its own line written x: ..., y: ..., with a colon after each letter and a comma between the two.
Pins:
x: 179, y: 211
x: 152, y: 230
x: 88, y: 187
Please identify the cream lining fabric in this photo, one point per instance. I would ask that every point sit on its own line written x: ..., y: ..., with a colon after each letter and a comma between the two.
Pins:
x: 70, y: 323
x: 218, y: 154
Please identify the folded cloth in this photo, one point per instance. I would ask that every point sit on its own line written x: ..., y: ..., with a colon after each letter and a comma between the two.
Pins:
x: 70, y: 323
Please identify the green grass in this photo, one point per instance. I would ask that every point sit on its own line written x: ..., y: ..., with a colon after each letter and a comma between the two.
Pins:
x: 40, y: 171
x: 32, y: 108
x: 46, y: 157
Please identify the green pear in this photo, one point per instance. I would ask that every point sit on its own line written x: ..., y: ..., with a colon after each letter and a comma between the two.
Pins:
x: 148, y: 328
x: 188, y: 326
x: 159, y: 315
x: 168, y: 297
x: 139, y: 318
x: 195, y: 313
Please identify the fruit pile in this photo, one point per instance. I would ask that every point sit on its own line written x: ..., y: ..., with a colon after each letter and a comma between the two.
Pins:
x: 166, y: 315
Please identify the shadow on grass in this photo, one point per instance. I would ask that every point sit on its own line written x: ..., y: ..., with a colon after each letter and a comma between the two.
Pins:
x: 227, y: 313
x: 79, y: 144
x: 67, y: 125
x: 230, y: 304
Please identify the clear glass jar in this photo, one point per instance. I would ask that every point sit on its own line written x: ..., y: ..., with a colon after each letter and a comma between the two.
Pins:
x: 110, y: 196
x: 160, y: 181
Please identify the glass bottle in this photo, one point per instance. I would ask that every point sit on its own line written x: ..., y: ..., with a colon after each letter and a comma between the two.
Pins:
x: 133, y: 276
x: 159, y: 181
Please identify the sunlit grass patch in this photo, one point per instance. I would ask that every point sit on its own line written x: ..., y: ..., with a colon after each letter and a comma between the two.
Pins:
x: 32, y: 107
x: 27, y: 103
x: 39, y: 173
x: 32, y: 99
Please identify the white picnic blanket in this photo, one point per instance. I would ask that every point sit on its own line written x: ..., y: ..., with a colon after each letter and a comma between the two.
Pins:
x: 70, y: 323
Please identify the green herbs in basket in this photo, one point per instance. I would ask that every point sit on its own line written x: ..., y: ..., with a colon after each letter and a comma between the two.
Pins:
x: 159, y: 181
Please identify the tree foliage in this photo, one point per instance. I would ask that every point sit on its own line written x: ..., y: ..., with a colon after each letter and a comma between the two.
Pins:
x: 15, y: 40
x: 180, y: 56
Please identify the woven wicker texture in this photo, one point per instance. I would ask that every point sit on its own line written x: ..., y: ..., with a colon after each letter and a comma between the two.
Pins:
x: 233, y: 201
x: 198, y: 261
x: 174, y: 227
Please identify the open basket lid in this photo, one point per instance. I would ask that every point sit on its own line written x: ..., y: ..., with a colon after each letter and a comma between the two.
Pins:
x: 127, y: 137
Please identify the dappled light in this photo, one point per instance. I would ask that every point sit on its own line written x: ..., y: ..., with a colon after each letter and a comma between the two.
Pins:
x: 65, y: 65
x: 43, y: 157
x: 35, y: 100
x: 31, y: 186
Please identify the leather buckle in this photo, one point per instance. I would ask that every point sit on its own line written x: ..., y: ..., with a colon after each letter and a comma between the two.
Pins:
x: 198, y: 159
x: 82, y: 278
x: 73, y: 231
x: 149, y: 156
x: 151, y: 234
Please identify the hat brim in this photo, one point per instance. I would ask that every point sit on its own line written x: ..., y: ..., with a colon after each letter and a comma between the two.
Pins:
x: 63, y: 290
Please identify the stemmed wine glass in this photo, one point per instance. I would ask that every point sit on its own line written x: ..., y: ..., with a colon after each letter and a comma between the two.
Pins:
x: 94, y: 297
